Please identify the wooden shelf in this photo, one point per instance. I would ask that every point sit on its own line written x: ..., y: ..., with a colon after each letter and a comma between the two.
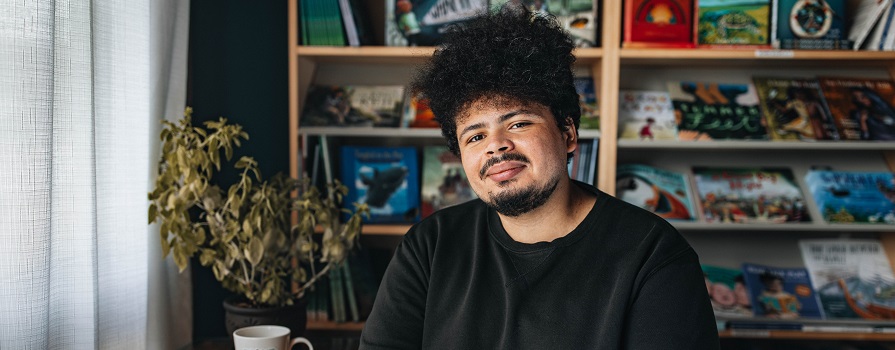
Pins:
x: 787, y: 227
x: 399, y: 132
x: 738, y: 145
x: 333, y: 326
x: 399, y: 55
x: 801, y: 335
x: 751, y: 57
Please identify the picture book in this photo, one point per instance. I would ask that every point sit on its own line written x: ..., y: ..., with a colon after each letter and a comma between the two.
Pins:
x: 779, y: 292
x: 794, y: 109
x: 865, y: 15
x: 880, y: 35
x: 733, y: 22
x: 386, y: 179
x: 853, y: 197
x: 862, y: 108
x: 665, y: 193
x: 749, y: 195
x: 727, y: 289
x: 717, y: 111
x: 444, y: 181
x: 423, y: 22
x: 811, y: 25
x: 658, y: 23
x: 587, y: 99
x: 578, y: 17
x: 646, y: 115
x: 852, y: 277
x: 354, y: 105
x: 418, y: 114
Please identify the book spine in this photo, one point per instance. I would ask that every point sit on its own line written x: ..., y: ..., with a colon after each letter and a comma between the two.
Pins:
x: 775, y: 9
x: 338, y: 294
x: 349, y: 292
x: 348, y: 23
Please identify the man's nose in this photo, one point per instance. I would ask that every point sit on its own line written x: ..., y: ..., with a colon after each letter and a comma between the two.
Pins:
x: 499, y: 144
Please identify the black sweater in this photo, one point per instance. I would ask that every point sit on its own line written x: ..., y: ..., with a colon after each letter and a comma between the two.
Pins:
x: 623, y: 279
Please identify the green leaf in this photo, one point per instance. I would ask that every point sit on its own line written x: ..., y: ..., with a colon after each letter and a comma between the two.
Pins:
x: 254, y: 251
x: 180, y: 259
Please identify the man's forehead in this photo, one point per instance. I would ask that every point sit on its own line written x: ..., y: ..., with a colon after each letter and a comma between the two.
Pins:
x: 493, y: 102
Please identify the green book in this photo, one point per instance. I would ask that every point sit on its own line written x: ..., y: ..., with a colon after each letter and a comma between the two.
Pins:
x: 337, y: 293
x: 349, y: 291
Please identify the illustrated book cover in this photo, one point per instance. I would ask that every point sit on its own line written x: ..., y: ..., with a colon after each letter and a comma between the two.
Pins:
x: 577, y: 17
x: 862, y: 108
x: 728, y: 292
x: 665, y: 193
x: 811, y: 25
x: 734, y: 22
x: 386, y: 179
x: 424, y: 22
x: 646, y: 115
x: 794, y: 109
x: 587, y: 100
x: 853, y: 197
x: 779, y: 292
x: 749, y: 195
x: 418, y: 114
x: 658, y: 23
x: 852, y: 277
x: 355, y: 105
x: 444, y: 181
x: 717, y: 111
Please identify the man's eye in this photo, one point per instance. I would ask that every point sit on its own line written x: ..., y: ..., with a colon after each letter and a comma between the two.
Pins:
x: 519, y: 125
x: 475, y: 138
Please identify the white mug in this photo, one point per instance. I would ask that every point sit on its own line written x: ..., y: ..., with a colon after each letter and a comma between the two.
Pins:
x: 266, y: 338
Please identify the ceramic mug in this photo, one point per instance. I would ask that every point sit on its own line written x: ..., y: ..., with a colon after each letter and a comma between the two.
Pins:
x: 266, y: 338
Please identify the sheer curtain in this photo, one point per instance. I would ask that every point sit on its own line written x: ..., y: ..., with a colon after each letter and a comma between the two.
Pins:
x: 76, y: 146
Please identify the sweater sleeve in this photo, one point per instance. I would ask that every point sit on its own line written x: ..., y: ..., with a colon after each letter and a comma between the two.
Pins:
x: 672, y: 308
x: 396, y: 321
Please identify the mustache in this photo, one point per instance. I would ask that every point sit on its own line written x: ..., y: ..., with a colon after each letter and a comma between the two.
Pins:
x: 501, y: 158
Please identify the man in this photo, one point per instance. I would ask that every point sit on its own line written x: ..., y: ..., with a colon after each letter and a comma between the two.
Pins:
x: 539, y: 261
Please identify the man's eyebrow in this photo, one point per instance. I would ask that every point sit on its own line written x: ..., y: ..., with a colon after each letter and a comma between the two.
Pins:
x: 500, y: 119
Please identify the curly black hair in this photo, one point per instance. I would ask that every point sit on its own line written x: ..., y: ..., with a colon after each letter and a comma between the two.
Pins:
x: 511, y: 55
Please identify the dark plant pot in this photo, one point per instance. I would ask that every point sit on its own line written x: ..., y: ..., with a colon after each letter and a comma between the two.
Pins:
x: 239, y: 313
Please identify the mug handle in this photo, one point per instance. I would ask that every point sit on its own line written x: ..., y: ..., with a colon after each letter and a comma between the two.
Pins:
x: 302, y: 341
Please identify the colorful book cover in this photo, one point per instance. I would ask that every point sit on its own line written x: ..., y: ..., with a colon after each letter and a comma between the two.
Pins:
x: 853, y: 197
x: 418, y: 114
x: 646, y: 115
x: 578, y: 17
x: 660, y: 191
x: 862, y: 108
x: 794, y: 109
x: 779, y: 292
x: 812, y: 25
x: 587, y: 99
x: 734, y: 22
x: 658, y: 23
x: 727, y: 290
x: 357, y: 105
x: 717, y: 111
x: 852, y: 277
x: 423, y: 22
x: 386, y: 179
x: 749, y: 195
x: 444, y: 181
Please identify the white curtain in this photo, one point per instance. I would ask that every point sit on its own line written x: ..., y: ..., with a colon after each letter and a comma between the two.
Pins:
x: 76, y: 146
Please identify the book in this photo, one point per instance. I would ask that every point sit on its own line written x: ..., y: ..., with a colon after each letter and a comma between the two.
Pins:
x: 864, y: 16
x: 852, y: 277
x: 779, y: 292
x: 659, y: 23
x: 733, y: 22
x: 794, y: 109
x: 423, y: 22
x: 812, y: 25
x: 350, y: 297
x: 853, y: 197
x: 728, y: 292
x: 337, y: 294
x: 418, y: 114
x: 354, y: 105
x: 879, y: 34
x: 587, y: 100
x: 386, y: 179
x: 366, y: 281
x: 862, y: 108
x: 444, y: 180
x: 577, y: 17
x: 749, y: 195
x: 646, y: 115
x: 717, y: 111
x: 665, y: 193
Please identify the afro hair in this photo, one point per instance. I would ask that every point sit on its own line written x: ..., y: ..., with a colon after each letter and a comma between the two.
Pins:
x: 511, y: 55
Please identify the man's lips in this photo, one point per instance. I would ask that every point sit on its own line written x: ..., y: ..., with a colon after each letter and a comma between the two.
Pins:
x: 504, y: 171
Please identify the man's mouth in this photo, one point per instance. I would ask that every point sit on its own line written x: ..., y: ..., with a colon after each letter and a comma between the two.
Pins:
x: 504, y: 171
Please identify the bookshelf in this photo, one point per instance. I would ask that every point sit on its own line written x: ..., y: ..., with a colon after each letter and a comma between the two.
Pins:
x: 614, y: 68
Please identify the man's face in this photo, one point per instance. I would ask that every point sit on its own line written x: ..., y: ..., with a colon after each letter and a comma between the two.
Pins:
x: 514, y: 155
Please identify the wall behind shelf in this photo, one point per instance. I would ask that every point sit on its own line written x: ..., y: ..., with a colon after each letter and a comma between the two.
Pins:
x: 238, y: 69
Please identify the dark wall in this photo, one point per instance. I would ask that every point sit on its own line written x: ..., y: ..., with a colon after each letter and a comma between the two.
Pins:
x: 238, y: 69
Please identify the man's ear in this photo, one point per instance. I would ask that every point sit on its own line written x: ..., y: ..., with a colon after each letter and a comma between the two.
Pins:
x: 570, y: 135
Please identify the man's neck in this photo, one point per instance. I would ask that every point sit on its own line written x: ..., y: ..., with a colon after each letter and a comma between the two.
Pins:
x: 567, y: 207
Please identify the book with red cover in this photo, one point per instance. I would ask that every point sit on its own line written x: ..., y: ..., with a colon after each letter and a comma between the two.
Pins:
x: 659, y: 23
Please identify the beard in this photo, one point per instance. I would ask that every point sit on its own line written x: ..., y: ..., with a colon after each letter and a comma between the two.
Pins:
x: 517, y: 202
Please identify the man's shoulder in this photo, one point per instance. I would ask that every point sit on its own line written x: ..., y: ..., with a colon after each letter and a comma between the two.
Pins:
x: 456, y: 219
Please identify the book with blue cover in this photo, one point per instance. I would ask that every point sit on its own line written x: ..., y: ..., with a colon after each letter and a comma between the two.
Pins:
x: 665, y: 193
x: 853, y: 197
x: 779, y: 292
x: 811, y: 25
x: 386, y: 179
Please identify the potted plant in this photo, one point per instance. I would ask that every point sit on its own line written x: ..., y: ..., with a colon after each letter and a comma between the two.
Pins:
x: 257, y: 235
